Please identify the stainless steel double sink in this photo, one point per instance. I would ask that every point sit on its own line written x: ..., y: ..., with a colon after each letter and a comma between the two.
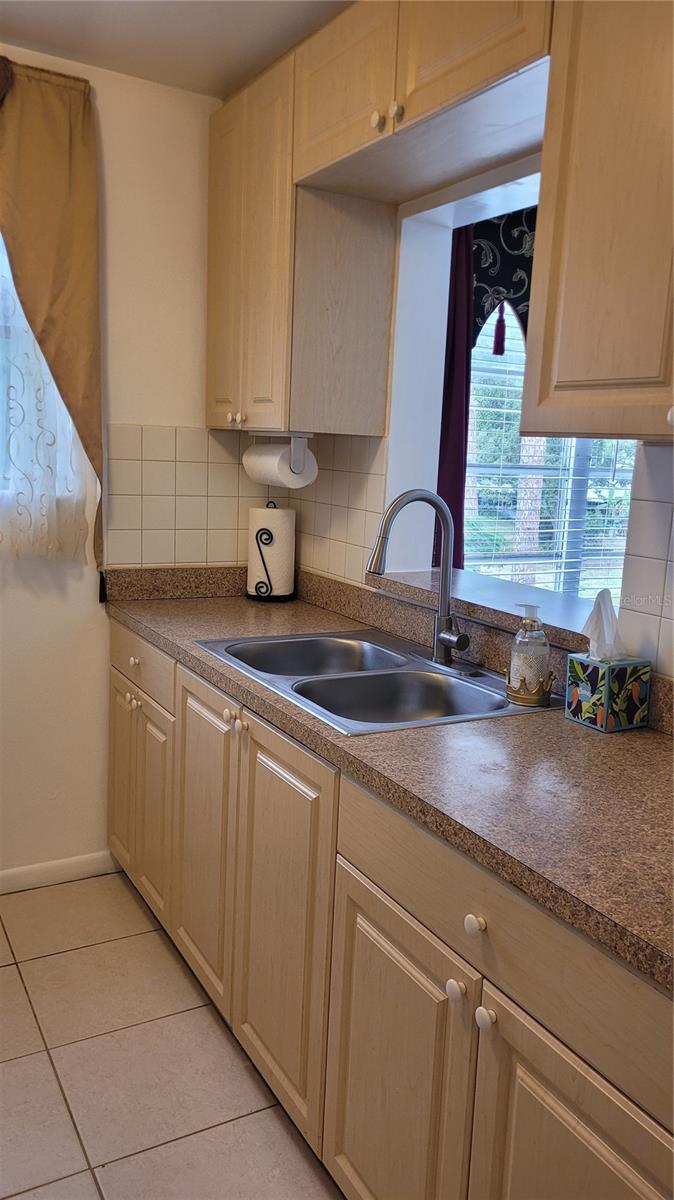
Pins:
x: 365, y: 681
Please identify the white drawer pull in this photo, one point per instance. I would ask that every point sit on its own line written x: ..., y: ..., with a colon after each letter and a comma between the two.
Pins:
x: 456, y: 990
x: 484, y: 1018
x: 134, y: 662
x: 474, y: 925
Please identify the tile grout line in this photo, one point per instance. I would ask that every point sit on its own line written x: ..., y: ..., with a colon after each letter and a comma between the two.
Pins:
x: 124, y: 937
x: 183, y: 1136
x: 61, y: 1179
x: 39, y: 887
x: 61, y: 1089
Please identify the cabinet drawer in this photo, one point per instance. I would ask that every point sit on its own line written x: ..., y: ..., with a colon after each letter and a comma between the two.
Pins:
x: 146, y: 667
x: 613, y: 1019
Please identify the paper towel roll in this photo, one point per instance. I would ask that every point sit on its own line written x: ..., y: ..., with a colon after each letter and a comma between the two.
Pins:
x: 270, y: 463
x: 271, y: 553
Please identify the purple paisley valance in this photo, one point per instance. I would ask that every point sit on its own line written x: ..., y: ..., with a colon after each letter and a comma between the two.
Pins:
x: 503, y: 250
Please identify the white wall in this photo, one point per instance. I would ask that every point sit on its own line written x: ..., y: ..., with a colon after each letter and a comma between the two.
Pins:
x: 53, y: 632
x: 416, y: 385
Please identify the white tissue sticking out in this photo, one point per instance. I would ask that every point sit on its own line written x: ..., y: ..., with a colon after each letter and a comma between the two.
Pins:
x: 270, y: 464
x: 601, y: 628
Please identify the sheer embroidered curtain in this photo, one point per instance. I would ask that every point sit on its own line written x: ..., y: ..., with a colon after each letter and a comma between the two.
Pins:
x: 49, y: 343
x: 43, y: 469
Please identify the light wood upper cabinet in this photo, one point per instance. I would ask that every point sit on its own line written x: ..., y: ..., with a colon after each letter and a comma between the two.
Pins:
x: 345, y: 74
x: 121, y: 771
x: 204, y: 824
x: 599, y: 343
x: 285, y: 866
x: 266, y: 299
x: 154, y: 782
x: 401, y: 1057
x: 226, y: 179
x: 546, y: 1124
x: 449, y: 49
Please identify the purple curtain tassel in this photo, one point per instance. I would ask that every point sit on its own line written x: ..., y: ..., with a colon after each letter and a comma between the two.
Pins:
x: 499, y: 332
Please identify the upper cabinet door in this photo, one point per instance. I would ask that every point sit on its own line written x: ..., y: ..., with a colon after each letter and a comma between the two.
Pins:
x: 285, y: 866
x: 225, y: 251
x: 448, y: 49
x: 204, y: 823
x: 599, y: 344
x: 268, y: 257
x: 547, y: 1125
x: 345, y: 76
x: 401, y: 1056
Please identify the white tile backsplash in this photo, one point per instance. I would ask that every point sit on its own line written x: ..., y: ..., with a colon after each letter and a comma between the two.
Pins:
x: 185, y: 497
x: 645, y: 622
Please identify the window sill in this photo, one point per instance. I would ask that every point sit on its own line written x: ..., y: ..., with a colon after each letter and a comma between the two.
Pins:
x: 492, y: 602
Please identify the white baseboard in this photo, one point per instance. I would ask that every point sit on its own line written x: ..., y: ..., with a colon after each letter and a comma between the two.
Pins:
x: 61, y: 870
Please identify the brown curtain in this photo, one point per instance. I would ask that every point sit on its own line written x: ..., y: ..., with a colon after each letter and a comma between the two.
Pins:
x: 49, y: 222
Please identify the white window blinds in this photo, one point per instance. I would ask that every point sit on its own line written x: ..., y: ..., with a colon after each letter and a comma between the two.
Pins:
x: 548, y: 512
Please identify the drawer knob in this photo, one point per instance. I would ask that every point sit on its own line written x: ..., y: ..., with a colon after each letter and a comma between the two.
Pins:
x: 134, y: 662
x: 456, y: 990
x: 377, y: 120
x: 396, y: 111
x: 474, y: 925
x: 484, y: 1018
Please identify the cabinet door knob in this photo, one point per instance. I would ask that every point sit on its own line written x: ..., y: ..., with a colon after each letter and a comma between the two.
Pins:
x: 230, y: 418
x: 238, y: 725
x: 670, y: 416
x: 377, y: 120
x: 226, y: 715
x: 134, y: 704
x: 485, y: 1018
x: 474, y: 925
x: 127, y: 697
x: 240, y: 418
x: 396, y: 111
x: 456, y: 990
x: 134, y: 662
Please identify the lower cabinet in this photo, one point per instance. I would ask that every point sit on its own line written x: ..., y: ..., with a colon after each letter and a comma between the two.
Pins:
x: 547, y: 1125
x: 139, y: 790
x: 204, y: 832
x: 401, y: 1052
x: 285, y: 867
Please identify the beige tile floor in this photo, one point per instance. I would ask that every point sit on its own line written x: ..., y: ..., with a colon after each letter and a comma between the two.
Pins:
x: 118, y: 1079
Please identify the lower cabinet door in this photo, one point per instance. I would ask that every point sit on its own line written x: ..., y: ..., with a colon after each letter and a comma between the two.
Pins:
x: 151, y: 868
x: 204, y: 823
x: 401, y: 1053
x: 121, y: 771
x: 548, y: 1127
x: 285, y: 874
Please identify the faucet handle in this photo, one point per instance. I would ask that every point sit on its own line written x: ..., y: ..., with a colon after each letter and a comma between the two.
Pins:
x: 455, y: 641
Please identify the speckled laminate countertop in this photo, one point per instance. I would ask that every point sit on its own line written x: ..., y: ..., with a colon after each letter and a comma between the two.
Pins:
x: 578, y: 821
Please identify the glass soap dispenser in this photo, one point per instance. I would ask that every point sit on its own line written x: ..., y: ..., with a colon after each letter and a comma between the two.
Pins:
x: 529, y: 681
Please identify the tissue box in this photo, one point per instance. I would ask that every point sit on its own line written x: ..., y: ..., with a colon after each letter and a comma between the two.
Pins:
x: 609, y: 696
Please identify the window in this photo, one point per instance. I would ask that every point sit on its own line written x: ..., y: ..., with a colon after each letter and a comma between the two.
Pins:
x: 549, y: 512
x: 43, y: 471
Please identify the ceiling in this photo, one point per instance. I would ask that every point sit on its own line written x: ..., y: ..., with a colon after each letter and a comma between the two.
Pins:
x: 209, y: 46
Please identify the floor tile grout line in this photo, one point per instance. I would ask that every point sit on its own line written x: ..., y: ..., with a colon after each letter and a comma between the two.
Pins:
x: 181, y: 1137
x: 61, y: 1179
x: 39, y: 887
x: 91, y: 1037
x: 123, y: 937
x: 3, y: 927
x: 60, y: 1087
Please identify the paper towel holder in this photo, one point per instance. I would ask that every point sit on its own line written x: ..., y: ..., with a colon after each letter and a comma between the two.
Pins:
x: 298, y: 449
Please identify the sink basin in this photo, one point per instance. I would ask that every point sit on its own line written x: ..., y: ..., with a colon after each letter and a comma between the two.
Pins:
x: 395, y: 698
x: 323, y: 655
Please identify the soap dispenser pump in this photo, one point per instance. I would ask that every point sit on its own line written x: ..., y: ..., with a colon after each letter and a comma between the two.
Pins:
x: 529, y: 679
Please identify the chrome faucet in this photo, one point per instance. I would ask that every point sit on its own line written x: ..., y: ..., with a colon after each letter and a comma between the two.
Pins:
x: 445, y: 637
